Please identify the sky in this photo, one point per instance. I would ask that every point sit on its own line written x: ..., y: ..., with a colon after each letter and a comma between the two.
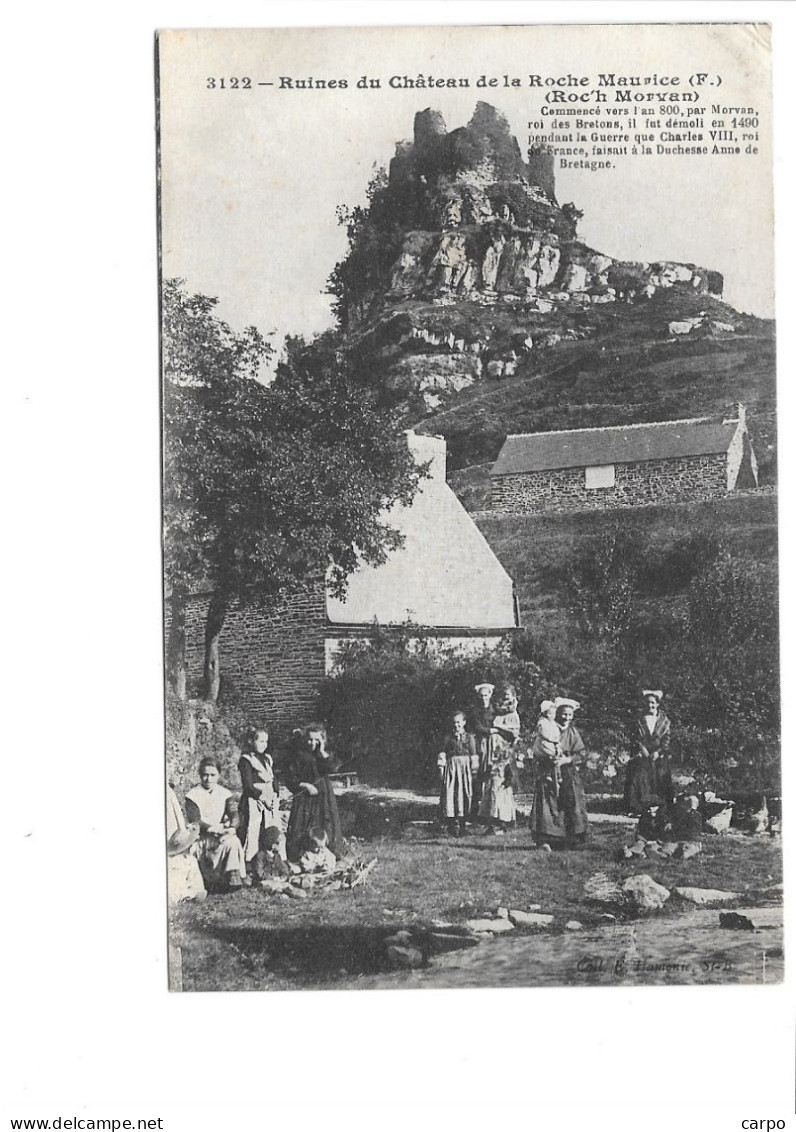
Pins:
x: 251, y: 178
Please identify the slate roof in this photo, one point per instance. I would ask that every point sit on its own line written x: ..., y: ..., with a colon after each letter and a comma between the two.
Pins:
x: 623, y: 444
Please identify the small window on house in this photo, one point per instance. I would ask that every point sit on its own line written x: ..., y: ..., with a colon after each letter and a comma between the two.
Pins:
x: 601, y: 476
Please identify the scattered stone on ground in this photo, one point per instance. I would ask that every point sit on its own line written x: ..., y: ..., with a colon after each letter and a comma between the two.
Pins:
x: 534, y: 908
x: 503, y: 913
x: 670, y: 949
x: 405, y: 956
x: 495, y: 925
x: 737, y: 922
x: 705, y: 895
x: 573, y: 926
x: 440, y: 942
x: 606, y: 918
x: 530, y: 919
x: 601, y: 889
x: 644, y: 893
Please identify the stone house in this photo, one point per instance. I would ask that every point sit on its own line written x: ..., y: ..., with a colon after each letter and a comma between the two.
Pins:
x: 445, y: 580
x: 623, y: 466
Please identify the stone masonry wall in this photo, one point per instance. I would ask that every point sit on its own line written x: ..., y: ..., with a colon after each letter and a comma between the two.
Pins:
x: 654, y: 481
x: 274, y: 657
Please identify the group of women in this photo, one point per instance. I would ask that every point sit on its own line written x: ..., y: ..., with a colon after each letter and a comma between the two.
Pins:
x: 238, y: 840
x: 230, y: 841
x: 481, y: 767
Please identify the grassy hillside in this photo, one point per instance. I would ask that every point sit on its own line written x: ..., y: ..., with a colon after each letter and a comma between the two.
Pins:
x: 628, y: 369
x: 534, y: 548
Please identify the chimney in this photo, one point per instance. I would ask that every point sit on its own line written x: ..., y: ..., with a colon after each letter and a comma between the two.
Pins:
x: 740, y: 417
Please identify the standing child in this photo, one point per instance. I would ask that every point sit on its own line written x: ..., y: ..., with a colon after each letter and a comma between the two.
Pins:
x: 456, y: 763
x: 259, y: 803
x: 497, y: 804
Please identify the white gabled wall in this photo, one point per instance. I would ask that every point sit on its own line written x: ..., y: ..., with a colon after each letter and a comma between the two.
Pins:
x: 445, y: 574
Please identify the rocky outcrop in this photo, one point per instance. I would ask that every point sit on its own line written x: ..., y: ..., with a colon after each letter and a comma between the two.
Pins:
x: 463, y: 221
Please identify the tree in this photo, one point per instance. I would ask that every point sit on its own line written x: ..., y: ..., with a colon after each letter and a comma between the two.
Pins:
x: 280, y: 484
x: 205, y: 367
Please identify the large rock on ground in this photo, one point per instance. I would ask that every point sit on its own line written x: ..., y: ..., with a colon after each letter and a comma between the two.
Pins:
x: 498, y: 925
x: 645, y: 894
x: 705, y: 895
x: 530, y: 919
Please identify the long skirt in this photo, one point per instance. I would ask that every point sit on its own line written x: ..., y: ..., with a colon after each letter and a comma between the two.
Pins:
x: 220, y: 856
x: 559, y: 812
x: 647, y: 782
x: 310, y: 810
x: 456, y: 792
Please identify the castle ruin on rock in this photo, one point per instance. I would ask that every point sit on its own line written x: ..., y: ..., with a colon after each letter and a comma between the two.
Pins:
x: 465, y: 261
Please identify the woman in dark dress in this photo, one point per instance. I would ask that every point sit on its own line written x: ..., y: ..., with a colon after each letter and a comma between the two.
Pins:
x: 481, y: 725
x: 558, y: 817
x: 571, y: 795
x: 314, y: 804
x: 648, y: 778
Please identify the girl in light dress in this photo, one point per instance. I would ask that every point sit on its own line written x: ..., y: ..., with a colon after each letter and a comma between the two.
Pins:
x: 497, y: 804
x: 259, y: 804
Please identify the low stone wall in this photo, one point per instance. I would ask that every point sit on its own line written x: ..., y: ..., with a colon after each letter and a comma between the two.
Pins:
x: 688, y: 479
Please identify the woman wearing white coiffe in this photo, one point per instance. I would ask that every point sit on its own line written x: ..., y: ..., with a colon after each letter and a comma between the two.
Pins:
x: 215, y: 810
x: 184, y: 880
x: 259, y: 803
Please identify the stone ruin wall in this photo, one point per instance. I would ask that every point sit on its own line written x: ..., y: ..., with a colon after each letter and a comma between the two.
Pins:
x: 678, y: 480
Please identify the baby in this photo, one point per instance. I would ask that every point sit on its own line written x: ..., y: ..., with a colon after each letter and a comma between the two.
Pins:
x: 317, y: 857
x: 547, y: 730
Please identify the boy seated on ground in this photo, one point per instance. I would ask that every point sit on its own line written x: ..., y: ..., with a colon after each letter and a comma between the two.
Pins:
x: 685, y: 837
x: 651, y: 831
x: 317, y: 856
x: 270, y: 864
x: 668, y: 833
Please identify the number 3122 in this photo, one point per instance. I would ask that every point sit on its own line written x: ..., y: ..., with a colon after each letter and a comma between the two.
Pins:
x: 229, y: 84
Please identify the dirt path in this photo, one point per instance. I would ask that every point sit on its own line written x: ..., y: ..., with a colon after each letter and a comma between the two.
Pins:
x: 690, y: 949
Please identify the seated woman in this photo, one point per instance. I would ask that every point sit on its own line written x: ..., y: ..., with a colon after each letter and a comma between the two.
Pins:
x: 213, y: 807
x: 648, y: 777
x: 183, y: 879
x: 314, y: 804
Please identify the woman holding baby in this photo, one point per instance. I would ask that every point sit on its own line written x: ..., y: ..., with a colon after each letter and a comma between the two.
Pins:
x: 558, y: 818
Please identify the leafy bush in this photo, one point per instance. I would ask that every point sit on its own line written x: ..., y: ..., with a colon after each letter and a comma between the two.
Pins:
x: 712, y: 648
x: 388, y: 703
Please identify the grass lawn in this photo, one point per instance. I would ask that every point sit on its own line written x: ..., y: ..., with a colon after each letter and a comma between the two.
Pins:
x: 251, y: 941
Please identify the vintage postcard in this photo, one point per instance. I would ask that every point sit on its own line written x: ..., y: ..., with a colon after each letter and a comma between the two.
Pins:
x: 470, y: 507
